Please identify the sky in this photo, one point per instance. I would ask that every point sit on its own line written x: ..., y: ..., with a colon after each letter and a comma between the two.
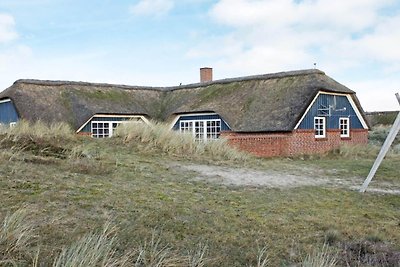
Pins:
x: 165, y: 42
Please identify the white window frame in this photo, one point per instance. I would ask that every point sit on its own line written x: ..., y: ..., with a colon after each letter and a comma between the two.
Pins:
x: 344, y: 126
x: 109, y: 127
x: 319, y: 121
x: 12, y: 124
x: 202, y: 130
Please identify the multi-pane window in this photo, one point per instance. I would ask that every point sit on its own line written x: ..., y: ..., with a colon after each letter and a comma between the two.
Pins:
x: 102, y: 129
x: 213, y: 129
x: 186, y: 126
x: 319, y: 127
x: 344, y: 126
x: 199, y: 130
x: 202, y: 130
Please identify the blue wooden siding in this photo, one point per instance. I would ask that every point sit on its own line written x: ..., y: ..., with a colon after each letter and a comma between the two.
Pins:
x: 8, y: 113
x: 88, y: 126
x: 224, y: 126
x: 332, y: 107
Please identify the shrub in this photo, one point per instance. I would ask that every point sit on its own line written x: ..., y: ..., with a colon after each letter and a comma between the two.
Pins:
x: 332, y: 236
x: 378, y: 134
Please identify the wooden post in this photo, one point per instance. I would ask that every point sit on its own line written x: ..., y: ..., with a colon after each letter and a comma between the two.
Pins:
x: 385, y: 148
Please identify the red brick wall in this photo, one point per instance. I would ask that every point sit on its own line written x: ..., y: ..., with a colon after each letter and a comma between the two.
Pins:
x: 85, y: 133
x: 259, y: 144
x: 295, y: 143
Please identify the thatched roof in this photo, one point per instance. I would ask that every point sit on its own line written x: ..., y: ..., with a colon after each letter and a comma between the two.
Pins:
x: 271, y: 102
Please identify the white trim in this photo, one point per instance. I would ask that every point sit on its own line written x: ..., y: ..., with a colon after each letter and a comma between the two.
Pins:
x: 347, y: 119
x: 323, y: 129
x: 113, y: 116
x: 5, y: 100
x: 353, y: 105
x: 308, y: 109
x: 359, y: 116
x: 178, y: 116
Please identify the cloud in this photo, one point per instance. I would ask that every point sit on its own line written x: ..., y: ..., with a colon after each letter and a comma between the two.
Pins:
x: 7, y: 31
x: 355, y: 41
x: 377, y: 95
x: 275, y: 31
x: 152, y: 7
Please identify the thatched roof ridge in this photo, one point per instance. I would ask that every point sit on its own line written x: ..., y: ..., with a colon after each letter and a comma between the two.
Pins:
x: 248, y: 78
x: 173, y: 88
x: 87, y: 84
x: 258, y: 103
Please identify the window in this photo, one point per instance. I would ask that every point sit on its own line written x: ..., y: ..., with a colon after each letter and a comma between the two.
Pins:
x: 186, y: 126
x: 202, y: 130
x: 12, y: 124
x: 319, y: 127
x: 344, y: 126
x: 102, y: 129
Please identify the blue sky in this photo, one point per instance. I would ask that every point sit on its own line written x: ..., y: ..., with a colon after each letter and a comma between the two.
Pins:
x: 165, y: 42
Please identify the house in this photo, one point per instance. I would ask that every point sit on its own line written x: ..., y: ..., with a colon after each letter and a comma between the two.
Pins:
x: 279, y: 114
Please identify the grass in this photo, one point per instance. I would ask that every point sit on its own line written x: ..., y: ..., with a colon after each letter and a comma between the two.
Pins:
x: 158, y: 136
x: 319, y: 258
x: 161, y: 212
x: 16, y: 237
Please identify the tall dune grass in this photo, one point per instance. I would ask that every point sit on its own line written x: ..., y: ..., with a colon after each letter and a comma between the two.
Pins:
x: 320, y: 258
x: 94, y: 249
x: 16, y: 237
x: 38, y: 130
x: 160, y: 136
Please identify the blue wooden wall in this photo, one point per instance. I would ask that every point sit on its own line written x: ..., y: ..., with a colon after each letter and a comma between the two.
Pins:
x: 8, y: 113
x: 224, y: 126
x: 332, y: 107
x: 88, y: 126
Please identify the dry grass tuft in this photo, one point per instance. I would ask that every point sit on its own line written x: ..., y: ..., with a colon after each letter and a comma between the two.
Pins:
x: 160, y: 136
x: 320, y: 258
x: 197, y: 258
x: 39, y: 130
x: 16, y: 237
x: 153, y: 253
x: 92, y: 250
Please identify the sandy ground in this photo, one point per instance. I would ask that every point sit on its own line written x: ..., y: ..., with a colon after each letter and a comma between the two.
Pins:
x: 274, y: 179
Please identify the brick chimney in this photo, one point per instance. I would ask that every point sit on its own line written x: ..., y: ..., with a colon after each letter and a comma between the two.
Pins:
x: 206, y: 74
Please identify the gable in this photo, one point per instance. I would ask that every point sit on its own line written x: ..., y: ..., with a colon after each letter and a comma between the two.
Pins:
x: 200, y: 117
x: 87, y: 126
x: 332, y: 106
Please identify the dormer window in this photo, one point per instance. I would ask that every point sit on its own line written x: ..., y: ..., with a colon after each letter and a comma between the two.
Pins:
x: 202, y: 130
